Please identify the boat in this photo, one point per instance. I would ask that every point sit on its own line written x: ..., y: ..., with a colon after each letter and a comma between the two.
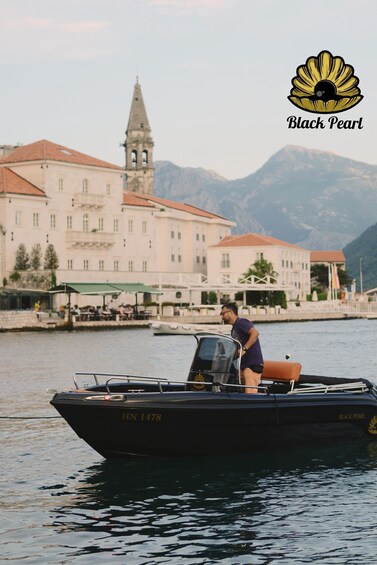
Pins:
x: 172, y: 328
x: 209, y: 413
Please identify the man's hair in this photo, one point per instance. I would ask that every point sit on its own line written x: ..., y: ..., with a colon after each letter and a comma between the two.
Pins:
x: 232, y: 306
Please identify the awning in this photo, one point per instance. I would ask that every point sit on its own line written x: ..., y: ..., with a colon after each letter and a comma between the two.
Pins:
x: 103, y: 288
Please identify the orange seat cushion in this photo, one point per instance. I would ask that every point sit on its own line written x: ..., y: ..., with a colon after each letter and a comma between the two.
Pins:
x: 281, y: 370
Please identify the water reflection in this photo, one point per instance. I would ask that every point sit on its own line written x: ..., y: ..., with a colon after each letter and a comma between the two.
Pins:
x: 213, y: 509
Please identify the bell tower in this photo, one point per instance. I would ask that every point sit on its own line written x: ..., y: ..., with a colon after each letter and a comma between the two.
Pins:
x: 139, y: 147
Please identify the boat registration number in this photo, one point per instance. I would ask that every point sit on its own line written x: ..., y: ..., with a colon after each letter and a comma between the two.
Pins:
x: 148, y: 417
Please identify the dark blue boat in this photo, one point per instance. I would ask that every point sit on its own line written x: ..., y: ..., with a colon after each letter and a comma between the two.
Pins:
x: 210, y: 414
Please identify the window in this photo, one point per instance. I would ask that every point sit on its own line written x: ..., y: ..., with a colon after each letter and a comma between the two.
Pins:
x: 70, y: 264
x: 100, y: 224
x: 18, y: 218
x: 101, y: 265
x: 197, y: 259
x: 282, y: 263
x: 144, y: 226
x: 225, y: 261
x: 53, y: 221
x: 69, y: 222
x: 197, y: 237
x: 203, y: 237
x: 144, y: 266
x: 85, y: 186
x: 86, y: 265
x: 172, y: 256
x: 116, y: 265
x: 259, y: 256
x: 130, y: 226
x: 172, y: 234
x: 116, y: 226
x: 179, y: 235
x: 133, y: 159
x: 85, y: 222
x: 130, y: 265
x: 144, y: 158
x: 179, y: 258
x: 35, y: 219
x: 204, y: 259
x: 60, y: 184
x: 108, y: 189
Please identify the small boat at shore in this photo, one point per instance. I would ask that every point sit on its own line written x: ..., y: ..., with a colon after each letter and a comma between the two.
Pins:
x: 173, y: 328
x: 209, y: 413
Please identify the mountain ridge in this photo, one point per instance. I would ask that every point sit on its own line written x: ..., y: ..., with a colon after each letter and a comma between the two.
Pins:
x: 310, y: 197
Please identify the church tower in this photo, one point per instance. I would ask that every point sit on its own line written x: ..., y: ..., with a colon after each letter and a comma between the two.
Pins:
x: 139, y: 147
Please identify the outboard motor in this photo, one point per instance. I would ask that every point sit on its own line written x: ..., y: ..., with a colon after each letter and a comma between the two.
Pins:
x: 216, y: 362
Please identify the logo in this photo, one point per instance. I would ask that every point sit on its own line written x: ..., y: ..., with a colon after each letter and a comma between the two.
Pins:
x: 199, y: 379
x: 372, y: 428
x: 325, y: 85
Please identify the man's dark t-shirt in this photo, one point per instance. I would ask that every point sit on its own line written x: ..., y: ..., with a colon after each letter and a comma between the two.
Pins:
x: 240, y: 331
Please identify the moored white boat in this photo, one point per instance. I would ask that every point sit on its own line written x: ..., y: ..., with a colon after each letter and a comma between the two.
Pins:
x: 173, y: 328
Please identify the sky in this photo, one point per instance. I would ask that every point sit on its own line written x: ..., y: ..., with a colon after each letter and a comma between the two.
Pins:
x: 215, y: 76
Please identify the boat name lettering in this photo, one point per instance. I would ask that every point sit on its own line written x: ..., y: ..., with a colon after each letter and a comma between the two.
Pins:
x: 351, y: 416
x: 151, y: 417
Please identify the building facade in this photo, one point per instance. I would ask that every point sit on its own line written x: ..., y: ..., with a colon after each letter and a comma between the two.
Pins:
x: 54, y: 195
x: 233, y: 256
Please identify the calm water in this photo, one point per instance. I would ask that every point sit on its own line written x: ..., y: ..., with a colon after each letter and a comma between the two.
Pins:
x: 61, y: 503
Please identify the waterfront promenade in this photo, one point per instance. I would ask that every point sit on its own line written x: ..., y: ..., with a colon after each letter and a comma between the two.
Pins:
x: 31, y: 321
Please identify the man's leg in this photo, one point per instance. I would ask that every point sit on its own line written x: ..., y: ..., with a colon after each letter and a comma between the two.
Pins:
x: 251, y: 379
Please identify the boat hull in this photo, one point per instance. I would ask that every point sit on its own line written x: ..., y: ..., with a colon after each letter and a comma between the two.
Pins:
x: 194, y: 423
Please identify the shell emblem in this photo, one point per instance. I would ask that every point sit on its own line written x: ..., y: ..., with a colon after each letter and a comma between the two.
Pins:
x: 325, y: 85
x: 199, y: 382
x: 372, y: 428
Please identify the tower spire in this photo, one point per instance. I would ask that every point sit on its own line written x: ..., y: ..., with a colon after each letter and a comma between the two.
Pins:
x: 139, y: 146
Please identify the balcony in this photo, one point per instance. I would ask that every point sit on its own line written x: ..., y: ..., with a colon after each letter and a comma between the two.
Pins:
x: 89, y: 239
x: 88, y: 200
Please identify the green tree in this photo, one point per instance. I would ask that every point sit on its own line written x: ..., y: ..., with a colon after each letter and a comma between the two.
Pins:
x: 36, y: 257
x: 51, y: 260
x: 22, y: 258
x: 261, y: 269
x: 319, y: 276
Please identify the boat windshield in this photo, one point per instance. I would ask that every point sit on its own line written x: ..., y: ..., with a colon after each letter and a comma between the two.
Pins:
x: 216, y: 361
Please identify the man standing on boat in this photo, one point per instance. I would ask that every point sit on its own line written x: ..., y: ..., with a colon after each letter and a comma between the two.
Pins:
x: 252, y: 358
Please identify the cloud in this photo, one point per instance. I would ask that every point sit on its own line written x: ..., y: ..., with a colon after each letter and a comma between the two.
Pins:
x: 32, y: 39
x: 188, y: 7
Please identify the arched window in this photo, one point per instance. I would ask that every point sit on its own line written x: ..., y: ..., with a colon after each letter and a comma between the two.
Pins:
x: 85, y: 185
x: 144, y: 159
x: 85, y: 222
x: 133, y: 158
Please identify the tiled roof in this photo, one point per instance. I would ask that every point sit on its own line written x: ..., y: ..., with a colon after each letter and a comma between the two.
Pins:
x: 175, y: 205
x: 132, y: 199
x: 252, y: 240
x: 11, y: 183
x: 336, y: 256
x: 47, y: 151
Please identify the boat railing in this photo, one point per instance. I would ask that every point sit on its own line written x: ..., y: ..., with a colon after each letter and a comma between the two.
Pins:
x: 217, y: 386
x: 114, y: 376
x: 358, y: 387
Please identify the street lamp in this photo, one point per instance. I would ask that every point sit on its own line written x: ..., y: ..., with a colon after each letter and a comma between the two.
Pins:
x: 361, y: 275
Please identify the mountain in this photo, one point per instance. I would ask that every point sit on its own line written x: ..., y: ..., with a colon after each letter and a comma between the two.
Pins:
x: 312, y: 198
x: 364, y: 248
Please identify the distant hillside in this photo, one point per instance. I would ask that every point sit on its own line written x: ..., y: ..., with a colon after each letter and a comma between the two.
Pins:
x: 363, y: 247
x: 312, y: 198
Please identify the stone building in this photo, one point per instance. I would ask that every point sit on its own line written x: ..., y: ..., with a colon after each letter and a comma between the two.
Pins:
x: 54, y: 195
x: 234, y: 255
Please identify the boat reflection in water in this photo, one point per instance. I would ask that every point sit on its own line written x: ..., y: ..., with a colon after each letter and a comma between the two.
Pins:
x: 210, y: 414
